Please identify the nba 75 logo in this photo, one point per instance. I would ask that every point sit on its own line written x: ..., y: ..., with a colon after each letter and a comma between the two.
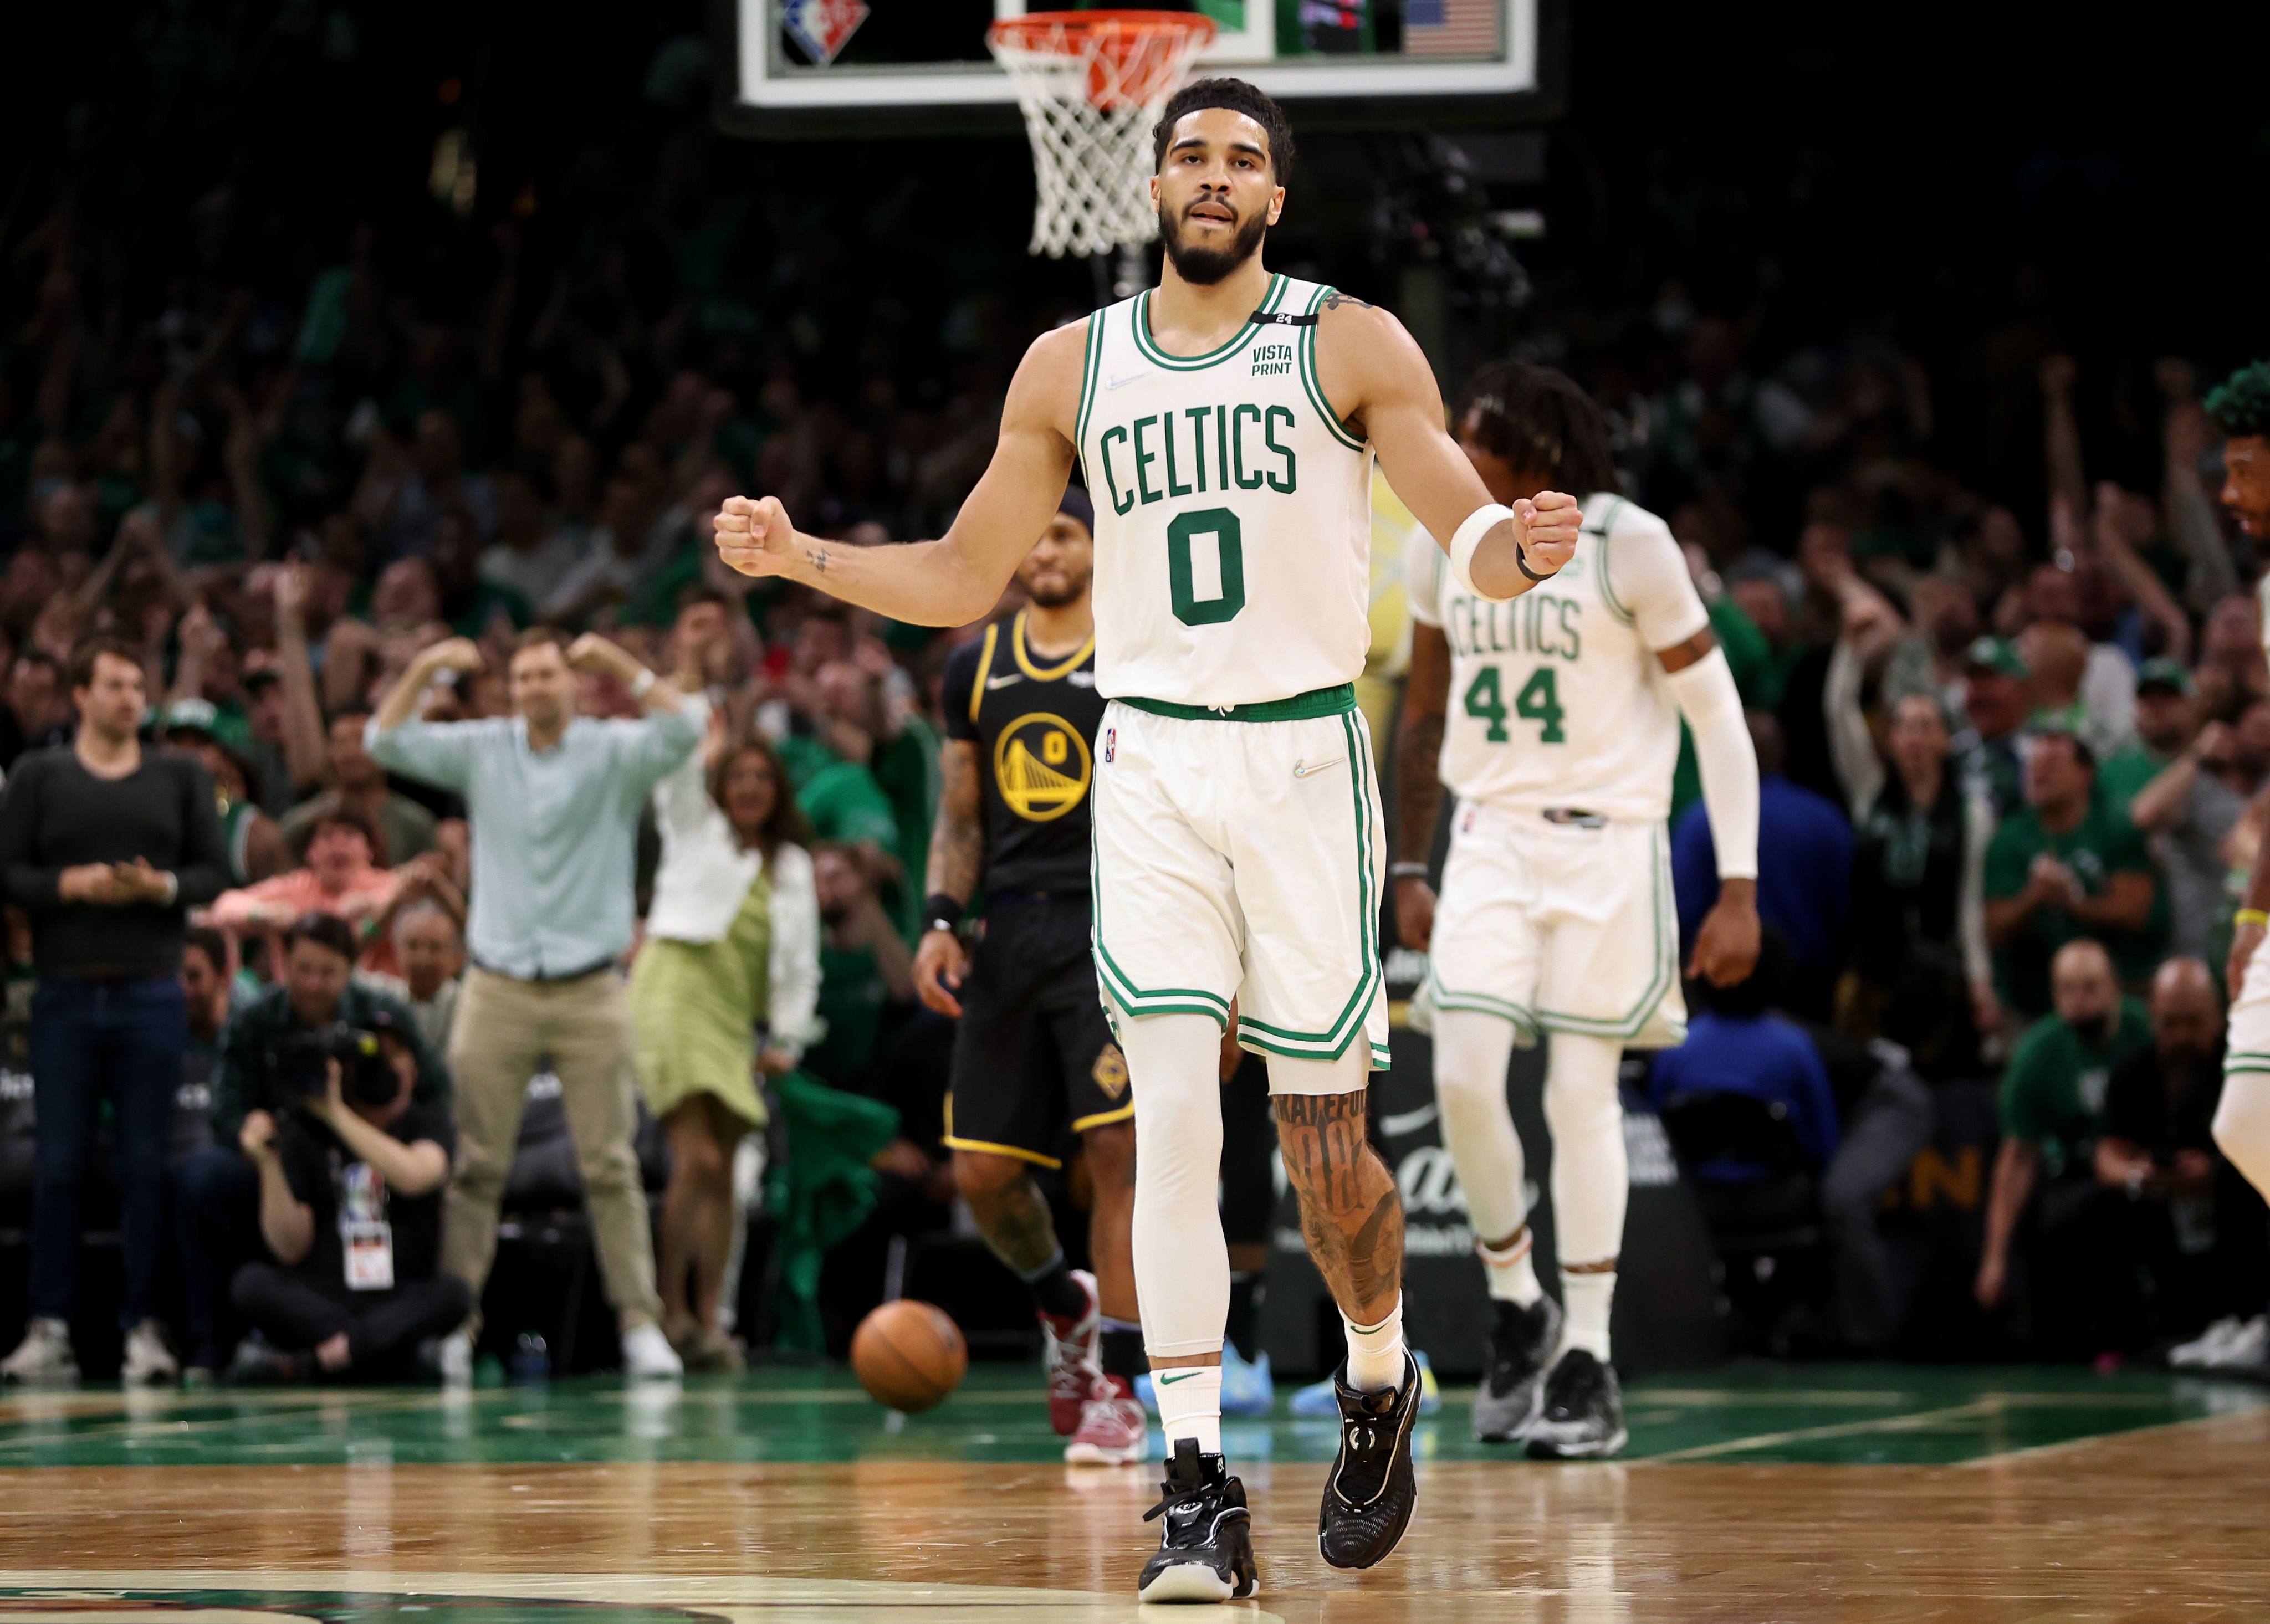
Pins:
x: 822, y: 27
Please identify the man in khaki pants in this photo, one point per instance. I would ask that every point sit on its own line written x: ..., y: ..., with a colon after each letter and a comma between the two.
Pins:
x: 554, y: 801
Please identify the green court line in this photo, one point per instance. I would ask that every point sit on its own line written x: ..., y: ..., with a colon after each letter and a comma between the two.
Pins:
x: 1738, y: 1414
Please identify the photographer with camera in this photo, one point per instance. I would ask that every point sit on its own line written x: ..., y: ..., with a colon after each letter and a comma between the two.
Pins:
x: 269, y: 1063
x: 351, y: 1176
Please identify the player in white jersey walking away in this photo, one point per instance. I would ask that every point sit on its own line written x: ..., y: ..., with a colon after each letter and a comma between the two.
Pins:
x: 2241, y: 409
x: 1554, y: 720
x: 1227, y: 421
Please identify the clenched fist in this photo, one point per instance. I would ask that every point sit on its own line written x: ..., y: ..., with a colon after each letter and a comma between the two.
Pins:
x: 1548, y: 525
x: 753, y: 535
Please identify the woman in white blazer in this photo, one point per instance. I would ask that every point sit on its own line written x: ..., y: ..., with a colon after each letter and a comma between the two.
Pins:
x: 731, y: 949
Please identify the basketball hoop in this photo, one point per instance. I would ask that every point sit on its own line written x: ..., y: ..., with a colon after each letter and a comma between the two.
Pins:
x: 1091, y: 84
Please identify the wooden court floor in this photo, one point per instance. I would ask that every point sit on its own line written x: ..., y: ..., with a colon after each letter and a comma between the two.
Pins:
x: 1759, y: 1495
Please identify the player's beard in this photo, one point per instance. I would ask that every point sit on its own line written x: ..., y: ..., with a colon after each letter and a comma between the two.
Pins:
x: 1057, y: 597
x: 1207, y: 266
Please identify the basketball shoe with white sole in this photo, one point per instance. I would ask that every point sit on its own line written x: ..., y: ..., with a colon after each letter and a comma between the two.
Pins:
x: 1111, y: 1428
x: 1205, y: 1547
x: 1512, y: 1391
x: 1583, y: 1414
x: 1371, y: 1490
x: 1072, y: 1352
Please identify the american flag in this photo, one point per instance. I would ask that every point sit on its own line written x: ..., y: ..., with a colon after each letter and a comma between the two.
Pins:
x: 1451, y: 27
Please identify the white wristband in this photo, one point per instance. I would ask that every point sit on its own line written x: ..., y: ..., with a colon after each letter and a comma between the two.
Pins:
x: 641, y: 683
x: 1479, y: 523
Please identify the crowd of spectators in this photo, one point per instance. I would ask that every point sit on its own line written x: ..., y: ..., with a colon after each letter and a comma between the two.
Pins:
x: 307, y: 497
x: 2008, y: 799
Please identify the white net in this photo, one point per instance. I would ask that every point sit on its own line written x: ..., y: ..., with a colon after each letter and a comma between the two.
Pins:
x: 1092, y: 84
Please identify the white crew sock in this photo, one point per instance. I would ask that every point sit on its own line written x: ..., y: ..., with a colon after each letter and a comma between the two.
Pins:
x: 1189, y: 1406
x: 1511, y: 1270
x: 1181, y: 1262
x: 1588, y: 1299
x: 1375, y: 1353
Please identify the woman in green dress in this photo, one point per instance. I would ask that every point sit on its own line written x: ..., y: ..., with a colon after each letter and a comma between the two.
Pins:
x: 724, y: 987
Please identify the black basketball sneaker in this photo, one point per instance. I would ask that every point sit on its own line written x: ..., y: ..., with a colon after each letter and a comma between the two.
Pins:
x: 1371, y: 1491
x: 1206, y: 1549
x: 1583, y: 1414
x: 1521, y: 1344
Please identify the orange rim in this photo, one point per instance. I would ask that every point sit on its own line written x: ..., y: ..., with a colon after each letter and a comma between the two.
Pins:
x: 1035, y: 29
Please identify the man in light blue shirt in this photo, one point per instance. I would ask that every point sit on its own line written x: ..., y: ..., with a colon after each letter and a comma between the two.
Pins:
x: 554, y: 800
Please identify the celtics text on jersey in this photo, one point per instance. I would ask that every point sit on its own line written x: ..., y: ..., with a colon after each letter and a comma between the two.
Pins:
x: 1557, y: 699
x: 1233, y: 511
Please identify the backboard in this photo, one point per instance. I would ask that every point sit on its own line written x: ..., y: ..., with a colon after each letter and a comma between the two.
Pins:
x: 839, y: 68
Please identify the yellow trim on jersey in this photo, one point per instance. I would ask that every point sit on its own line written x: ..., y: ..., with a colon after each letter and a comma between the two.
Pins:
x: 984, y: 664
x: 1054, y: 673
x: 1125, y: 1113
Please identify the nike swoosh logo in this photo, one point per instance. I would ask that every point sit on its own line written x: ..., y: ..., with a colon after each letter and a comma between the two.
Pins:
x: 1133, y: 377
x: 1310, y: 769
x: 1002, y: 682
x: 1168, y: 1381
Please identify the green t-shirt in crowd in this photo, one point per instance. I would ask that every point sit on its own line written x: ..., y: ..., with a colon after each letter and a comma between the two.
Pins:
x: 2103, y: 843
x: 1759, y: 675
x: 2053, y: 1094
x: 842, y: 798
x: 905, y: 771
x: 2125, y: 771
x: 852, y: 994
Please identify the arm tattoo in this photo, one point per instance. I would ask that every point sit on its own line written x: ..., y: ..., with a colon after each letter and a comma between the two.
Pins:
x: 817, y: 559
x: 1334, y: 301
x: 957, y: 841
x: 1418, y: 785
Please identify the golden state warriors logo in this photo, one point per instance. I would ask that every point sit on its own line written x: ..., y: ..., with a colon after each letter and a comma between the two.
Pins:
x: 1042, y: 765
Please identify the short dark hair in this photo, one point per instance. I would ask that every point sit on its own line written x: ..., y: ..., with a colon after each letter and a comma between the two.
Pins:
x: 325, y: 931
x: 208, y: 942
x: 537, y: 636
x: 2240, y: 405
x: 1541, y: 422
x: 92, y: 648
x: 348, y: 818
x: 1238, y: 97
x: 41, y: 657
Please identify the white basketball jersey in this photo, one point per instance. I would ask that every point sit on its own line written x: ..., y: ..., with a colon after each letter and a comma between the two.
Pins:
x: 1233, y: 511
x: 1556, y: 698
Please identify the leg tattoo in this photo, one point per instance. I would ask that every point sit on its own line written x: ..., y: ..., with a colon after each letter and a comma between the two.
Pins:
x: 1350, y: 1213
x: 1008, y: 1208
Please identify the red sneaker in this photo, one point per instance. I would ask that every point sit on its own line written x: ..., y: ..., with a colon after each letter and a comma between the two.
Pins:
x: 1111, y: 1424
x: 1072, y: 1353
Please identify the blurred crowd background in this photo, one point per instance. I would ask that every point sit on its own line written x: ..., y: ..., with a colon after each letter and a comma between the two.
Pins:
x: 331, y: 331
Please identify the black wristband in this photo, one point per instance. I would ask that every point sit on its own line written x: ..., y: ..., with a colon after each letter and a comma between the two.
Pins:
x: 941, y: 911
x: 1521, y: 562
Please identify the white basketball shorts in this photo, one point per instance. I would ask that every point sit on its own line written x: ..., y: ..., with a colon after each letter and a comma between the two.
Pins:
x: 1559, y: 927
x: 2247, y: 1046
x: 1238, y: 859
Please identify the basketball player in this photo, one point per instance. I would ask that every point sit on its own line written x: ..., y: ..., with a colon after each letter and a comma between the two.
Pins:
x: 1032, y: 1053
x: 1556, y: 917
x: 2241, y: 409
x: 1227, y: 422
